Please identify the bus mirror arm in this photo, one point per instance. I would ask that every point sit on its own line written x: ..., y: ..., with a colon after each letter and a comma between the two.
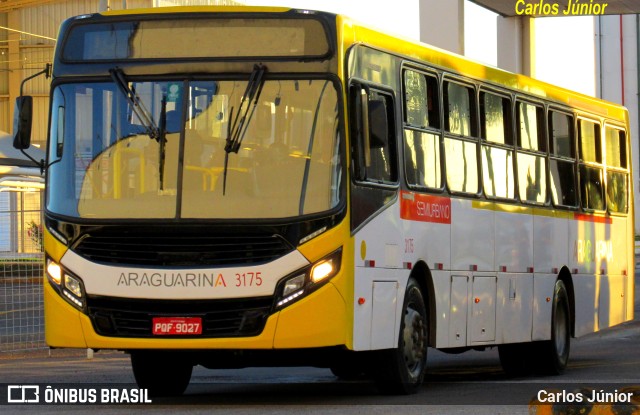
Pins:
x: 23, y: 118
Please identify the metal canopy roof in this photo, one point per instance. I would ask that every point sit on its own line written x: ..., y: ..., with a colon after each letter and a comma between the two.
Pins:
x: 8, y: 5
x: 507, y: 8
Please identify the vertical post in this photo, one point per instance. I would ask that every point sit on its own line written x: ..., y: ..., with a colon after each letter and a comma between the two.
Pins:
x: 443, y: 26
x: 15, y: 65
x: 516, y: 44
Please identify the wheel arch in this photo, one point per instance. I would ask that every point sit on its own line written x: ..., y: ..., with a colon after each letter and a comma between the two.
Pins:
x: 565, y: 276
x: 422, y: 274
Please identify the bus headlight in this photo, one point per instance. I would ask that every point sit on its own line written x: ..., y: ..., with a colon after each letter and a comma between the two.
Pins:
x: 294, y: 284
x: 72, y: 284
x: 308, y: 279
x: 68, y: 286
x: 322, y: 270
x: 54, y: 272
x: 73, y: 290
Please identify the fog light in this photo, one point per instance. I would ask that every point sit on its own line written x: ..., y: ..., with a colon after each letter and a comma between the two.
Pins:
x: 54, y: 271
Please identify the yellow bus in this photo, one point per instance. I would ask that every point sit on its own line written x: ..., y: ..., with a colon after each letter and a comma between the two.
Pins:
x: 240, y: 186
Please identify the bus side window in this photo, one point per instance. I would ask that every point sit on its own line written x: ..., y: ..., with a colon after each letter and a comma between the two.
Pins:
x: 422, y: 138
x: 617, y: 172
x: 562, y: 159
x: 460, y: 142
x: 531, y: 156
x: 591, y: 174
x: 373, y: 136
x: 497, y: 156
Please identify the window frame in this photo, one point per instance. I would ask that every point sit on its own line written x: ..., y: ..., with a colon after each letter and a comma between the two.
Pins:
x: 355, y: 127
x: 474, y: 138
x: 625, y: 170
x: 542, y: 140
x: 434, y: 130
x: 555, y: 157
x: 508, y: 145
x: 581, y: 163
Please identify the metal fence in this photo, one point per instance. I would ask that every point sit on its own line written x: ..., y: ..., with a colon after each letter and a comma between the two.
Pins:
x: 21, y: 271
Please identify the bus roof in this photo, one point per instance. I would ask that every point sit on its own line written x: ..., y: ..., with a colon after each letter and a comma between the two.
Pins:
x: 353, y: 32
x: 356, y: 33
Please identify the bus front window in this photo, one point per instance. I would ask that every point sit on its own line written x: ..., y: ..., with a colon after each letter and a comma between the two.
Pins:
x: 107, y: 165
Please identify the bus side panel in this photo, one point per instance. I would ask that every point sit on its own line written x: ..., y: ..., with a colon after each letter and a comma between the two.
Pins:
x: 379, y: 257
x: 543, y: 286
x: 598, y: 252
x: 586, y: 303
x: 472, y: 236
x: 551, y: 242
x: 583, y: 271
x: 514, y: 242
x: 612, y: 253
x: 611, y: 304
x: 514, y: 312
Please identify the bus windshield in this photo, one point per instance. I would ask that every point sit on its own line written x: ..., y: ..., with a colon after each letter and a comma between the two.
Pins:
x: 105, y: 164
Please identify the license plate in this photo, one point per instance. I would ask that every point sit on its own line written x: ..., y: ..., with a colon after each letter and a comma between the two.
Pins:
x: 178, y: 326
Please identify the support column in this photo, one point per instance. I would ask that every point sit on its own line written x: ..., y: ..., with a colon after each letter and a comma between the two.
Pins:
x: 443, y: 26
x: 16, y: 72
x: 516, y: 44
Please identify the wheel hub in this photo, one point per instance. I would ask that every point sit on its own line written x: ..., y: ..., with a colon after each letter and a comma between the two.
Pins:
x: 414, y: 339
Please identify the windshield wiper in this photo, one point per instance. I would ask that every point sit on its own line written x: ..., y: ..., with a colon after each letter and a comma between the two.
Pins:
x: 237, y: 129
x: 136, y: 103
x: 158, y: 133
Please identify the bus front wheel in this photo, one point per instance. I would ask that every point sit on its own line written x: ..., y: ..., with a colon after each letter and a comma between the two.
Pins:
x: 402, y: 370
x: 162, y: 374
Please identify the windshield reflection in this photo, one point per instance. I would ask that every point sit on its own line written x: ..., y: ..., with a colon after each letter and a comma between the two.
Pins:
x: 106, y: 166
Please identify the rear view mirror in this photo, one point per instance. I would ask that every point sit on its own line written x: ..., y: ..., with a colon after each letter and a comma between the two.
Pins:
x: 22, y: 122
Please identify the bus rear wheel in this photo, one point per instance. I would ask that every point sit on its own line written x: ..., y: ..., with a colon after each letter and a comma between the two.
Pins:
x: 161, y: 373
x: 402, y: 370
x: 552, y: 356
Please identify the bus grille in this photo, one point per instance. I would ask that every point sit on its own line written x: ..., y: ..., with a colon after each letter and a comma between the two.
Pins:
x: 172, y: 250
x: 220, y: 318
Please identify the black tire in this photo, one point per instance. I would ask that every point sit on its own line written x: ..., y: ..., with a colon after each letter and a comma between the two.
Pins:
x: 162, y: 374
x: 552, y: 356
x: 402, y: 370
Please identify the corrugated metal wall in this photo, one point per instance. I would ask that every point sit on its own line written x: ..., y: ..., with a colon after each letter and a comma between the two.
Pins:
x: 45, y: 20
x: 36, y: 52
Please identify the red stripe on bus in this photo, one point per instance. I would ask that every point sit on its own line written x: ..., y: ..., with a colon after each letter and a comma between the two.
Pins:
x: 425, y: 208
x: 592, y: 218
